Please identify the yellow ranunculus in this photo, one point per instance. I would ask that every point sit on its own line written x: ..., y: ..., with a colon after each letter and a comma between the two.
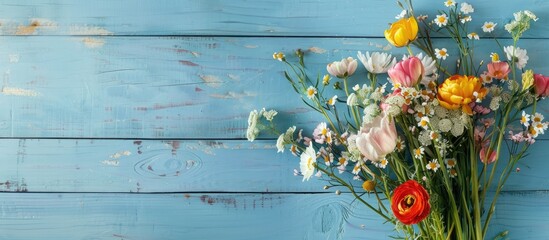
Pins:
x: 402, y: 32
x: 459, y: 91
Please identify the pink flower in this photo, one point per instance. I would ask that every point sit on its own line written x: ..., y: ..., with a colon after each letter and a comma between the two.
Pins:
x: 407, y: 73
x: 487, y: 155
x: 498, y: 70
x: 541, y: 84
x: 345, y: 67
x: 377, y: 139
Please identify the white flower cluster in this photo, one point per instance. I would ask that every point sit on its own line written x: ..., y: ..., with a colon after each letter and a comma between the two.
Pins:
x: 254, y: 125
x: 521, y: 23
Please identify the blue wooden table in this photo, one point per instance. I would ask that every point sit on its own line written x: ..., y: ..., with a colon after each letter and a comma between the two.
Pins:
x: 126, y: 119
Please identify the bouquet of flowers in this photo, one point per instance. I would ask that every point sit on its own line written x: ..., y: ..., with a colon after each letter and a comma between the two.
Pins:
x: 427, y: 144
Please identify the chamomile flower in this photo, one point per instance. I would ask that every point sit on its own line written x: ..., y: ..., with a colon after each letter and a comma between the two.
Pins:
x: 343, y: 160
x: 441, y: 53
x: 311, y: 92
x: 328, y: 159
x: 418, y: 152
x: 489, y: 27
x: 537, y: 117
x: 453, y: 172
x: 441, y: 20
x: 473, y: 35
x: 465, y: 19
x: 466, y: 8
x: 449, y: 3
x: 326, y: 79
x: 434, y: 135
x: 424, y: 123
x: 332, y: 100
x: 294, y: 150
x: 539, y: 127
x: 495, y: 57
x: 320, y: 132
x: 357, y: 167
x: 278, y: 56
x: 525, y: 119
x: 433, y: 165
x: 400, y: 144
x: 450, y: 162
x: 307, y: 163
x: 382, y: 164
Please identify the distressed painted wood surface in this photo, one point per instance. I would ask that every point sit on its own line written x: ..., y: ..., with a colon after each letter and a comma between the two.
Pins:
x: 153, y: 87
x: 125, y: 120
x: 156, y: 166
x: 227, y: 216
x: 229, y: 17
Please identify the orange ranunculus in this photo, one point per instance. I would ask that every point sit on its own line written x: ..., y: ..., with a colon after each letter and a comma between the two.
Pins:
x: 410, y: 202
x: 459, y: 91
x: 402, y: 32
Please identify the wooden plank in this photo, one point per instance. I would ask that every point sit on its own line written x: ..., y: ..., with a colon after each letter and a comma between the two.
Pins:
x: 169, y: 87
x: 258, y: 18
x: 154, y: 166
x: 227, y: 216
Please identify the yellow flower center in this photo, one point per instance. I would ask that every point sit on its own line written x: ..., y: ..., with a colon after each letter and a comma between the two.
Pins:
x: 442, y: 53
x: 441, y: 19
x: 432, y: 165
x: 537, y: 119
x: 451, y: 163
x: 495, y: 57
x: 311, y: 92
x: 342, y: 160
x: 523, y: 120
x: 489, y: 25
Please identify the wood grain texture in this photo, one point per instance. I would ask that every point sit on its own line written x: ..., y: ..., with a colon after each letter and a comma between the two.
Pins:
x: 236, y: 18
x: 156, y: 166
x: 227, y: 216
x: 171, y: 87
x: 126, y: 119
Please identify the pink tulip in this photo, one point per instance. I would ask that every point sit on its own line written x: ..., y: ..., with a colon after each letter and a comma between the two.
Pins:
x: 487, y: 155
x: 345, y: 67
x: 407, y: 73
x: 541, y: 84
x: 498, y: 70
x: 377, y: 139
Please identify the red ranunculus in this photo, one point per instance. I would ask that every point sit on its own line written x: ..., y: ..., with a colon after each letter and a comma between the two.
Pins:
x: 410, y: 202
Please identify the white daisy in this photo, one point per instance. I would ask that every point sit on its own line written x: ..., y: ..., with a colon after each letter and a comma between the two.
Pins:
x: 441, y: 20
x: 308, y: 159
x: 537, y: 117
x: 328, y: 159
x: 357, y: 167
x: 517, y: 55
x: 278, y: 56
x: 441, y: 53
x: 332, y: 100
x: 449, y: 3
x: 424, y: 123
x: 418, y: 152
x: 473, y: 35
x: 540, y: 127
x: 466, y: 8
x: 377, y: 62
x: 466, y: 19
x: 525, y: 119
x: 453, y: 172
x: 433, y: 165
x: 450, y: 162
x: 311, y: 92
x: 434, y: 135
x: 400, y: 144
x: 489, y: 26
x: 382, y: 164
